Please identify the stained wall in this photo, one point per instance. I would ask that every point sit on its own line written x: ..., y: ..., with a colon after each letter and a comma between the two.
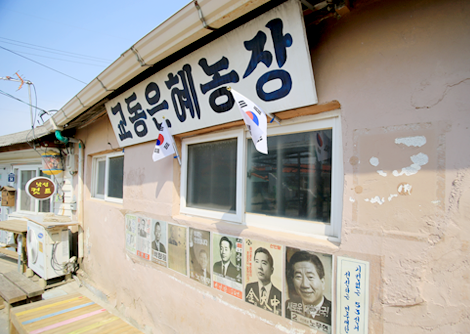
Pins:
x: 400, y: 72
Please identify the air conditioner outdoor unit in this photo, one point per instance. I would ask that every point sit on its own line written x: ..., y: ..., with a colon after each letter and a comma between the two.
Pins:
x: 48, y: 250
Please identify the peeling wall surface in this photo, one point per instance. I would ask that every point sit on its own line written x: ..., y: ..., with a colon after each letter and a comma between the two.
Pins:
x: 400, y: 70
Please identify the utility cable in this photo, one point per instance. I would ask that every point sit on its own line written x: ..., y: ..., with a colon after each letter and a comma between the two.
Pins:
x: 69, y: 61
x: 1, y: 47
x: 15, y: 98
x: 77, y: 55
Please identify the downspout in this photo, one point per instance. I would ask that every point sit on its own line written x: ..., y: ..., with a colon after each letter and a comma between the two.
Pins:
x: 81, y: 146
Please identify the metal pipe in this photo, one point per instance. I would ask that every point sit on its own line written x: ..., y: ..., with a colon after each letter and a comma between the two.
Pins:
x: 20, y: 253
x: 80, y: 210
x: 58, y: 135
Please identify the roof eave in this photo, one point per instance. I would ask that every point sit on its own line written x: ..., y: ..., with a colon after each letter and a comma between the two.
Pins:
x: 177, y: 32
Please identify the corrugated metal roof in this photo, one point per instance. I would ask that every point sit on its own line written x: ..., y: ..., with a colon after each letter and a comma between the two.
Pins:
x: 23, y: 136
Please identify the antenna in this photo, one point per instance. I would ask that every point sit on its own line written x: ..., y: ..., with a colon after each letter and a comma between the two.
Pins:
x: 22, y: 82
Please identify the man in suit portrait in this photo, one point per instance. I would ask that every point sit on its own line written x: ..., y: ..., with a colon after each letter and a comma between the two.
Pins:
x: 225, y: 267
x: 203, y: 271
x: 262, y: 292
x: 156, y: 244
x: 306, y: 281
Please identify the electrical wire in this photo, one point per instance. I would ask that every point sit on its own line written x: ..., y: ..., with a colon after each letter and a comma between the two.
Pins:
x: 61, y: 268
x: 15, y: 98
x: 76, y: 55
x: 58, y: 267
x: 68, y: 61
x: 1, y: 47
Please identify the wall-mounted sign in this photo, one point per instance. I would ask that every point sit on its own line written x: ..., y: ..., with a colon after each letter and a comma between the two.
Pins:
x: 267, y: 60
x: 353, y: 296
x: 11, y: 177
x: 40, y: 188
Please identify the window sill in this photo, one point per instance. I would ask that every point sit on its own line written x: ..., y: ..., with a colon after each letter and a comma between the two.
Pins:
x: 102, y: 200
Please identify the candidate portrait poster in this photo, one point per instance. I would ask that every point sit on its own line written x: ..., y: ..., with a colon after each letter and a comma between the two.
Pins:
x: 227, y: 252
x: 200, y: 256
x: 264, y: 274
x: 131, y: 233
x: 177, y: 258
x: 143, y: 237
x: 309, y: 289
x: 159, y: 242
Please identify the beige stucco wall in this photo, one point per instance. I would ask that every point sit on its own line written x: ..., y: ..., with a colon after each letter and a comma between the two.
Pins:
x: 399, y: 69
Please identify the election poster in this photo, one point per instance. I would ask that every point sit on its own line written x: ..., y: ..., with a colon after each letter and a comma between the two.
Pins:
x: 177, y: 258
x: 200, y: 256
x: 263, y: 275
x: 143, y: 237
x: 159, y: 242
x: 352, y: 294
x: 309, y: 289
x: 227, y: 269
x: 131, y: 233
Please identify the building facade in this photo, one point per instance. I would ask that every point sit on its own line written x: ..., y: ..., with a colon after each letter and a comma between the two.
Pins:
x: 366, y: 170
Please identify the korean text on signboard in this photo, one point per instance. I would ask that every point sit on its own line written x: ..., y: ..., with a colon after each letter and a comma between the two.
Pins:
x: 40, y: 188
x: 266, y: 60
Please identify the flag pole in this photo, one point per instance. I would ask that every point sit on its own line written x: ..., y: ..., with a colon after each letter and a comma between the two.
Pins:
x: 174, y: 147
x: 273, y: 117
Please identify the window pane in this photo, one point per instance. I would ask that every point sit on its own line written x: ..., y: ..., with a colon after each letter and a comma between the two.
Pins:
x: 294, y: 179
x: 115, y: 176
x: 212, y: 173
x: 101, y: 165
x: 45, y: 205
x: 27, y: 202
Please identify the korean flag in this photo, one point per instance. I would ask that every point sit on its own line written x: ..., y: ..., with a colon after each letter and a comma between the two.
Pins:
x: 255, y: 120
x: 164, y: 145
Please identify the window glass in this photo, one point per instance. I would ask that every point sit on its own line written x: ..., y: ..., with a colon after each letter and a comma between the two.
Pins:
x: 26, y: 203
x: 45, y: 206
x: 100, y: 177
x: 212, y: 174
x: 294, y: 179
x: 115, y: 176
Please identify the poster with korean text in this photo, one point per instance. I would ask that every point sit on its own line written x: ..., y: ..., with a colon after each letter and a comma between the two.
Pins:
x: 353, y: 296
x: 263, y: 275
x: 143, y: 237
x: 266, y: 60
x: 131, y: 233
x: 159, y: 242
x: 177, y: 258
x: 200, y: 256
x: 309, y: 289
x: 227, y: 268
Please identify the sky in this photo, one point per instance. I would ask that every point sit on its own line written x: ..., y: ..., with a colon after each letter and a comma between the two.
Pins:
x: 61, y: 46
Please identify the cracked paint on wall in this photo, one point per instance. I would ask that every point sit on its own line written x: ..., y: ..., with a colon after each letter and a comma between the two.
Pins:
x: 382, y: 173
x: 376, y: 199
x: 374, y: 161
x: 416, y: 141
x: 418, y: 160
x: 405, y: 189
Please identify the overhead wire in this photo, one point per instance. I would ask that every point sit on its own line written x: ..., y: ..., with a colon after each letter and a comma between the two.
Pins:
x: 20, y: 100
x: 69, y: 61
x: 72, y: 54
x: 30, y: 142
x: 1, y: 47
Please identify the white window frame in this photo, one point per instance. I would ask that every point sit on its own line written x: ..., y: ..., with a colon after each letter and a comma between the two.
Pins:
x: 37, y: 169
x: 331, y: 231
x: 94, y: 182
x: 241, y: 142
